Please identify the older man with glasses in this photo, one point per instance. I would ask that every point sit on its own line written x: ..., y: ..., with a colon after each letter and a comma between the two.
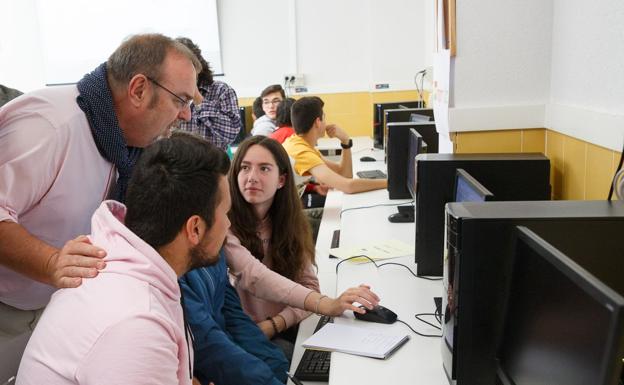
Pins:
x: 271, y: 98
x: 63, y: 150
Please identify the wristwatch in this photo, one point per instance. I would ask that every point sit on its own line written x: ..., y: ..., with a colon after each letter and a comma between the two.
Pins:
x: 348, y: 145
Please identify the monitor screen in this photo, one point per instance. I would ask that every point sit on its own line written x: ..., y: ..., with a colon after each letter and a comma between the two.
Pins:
x: 562, y: 326
x: 468, y: 189
x: 415, y: 147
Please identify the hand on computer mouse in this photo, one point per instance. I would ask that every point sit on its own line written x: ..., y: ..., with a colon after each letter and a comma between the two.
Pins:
x: 377, y: 314
x: 361, y: 294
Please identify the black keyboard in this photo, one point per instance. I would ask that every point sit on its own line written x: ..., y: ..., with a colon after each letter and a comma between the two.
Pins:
x: 314, y: 364
x: 372, y: 174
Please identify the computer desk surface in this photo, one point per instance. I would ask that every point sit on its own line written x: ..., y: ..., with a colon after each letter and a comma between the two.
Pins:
x: 419, y: 361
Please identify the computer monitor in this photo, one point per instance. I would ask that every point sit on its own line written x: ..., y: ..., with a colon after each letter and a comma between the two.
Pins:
x: 478, y: 263
x: 414, y: 148
x: 378, y: 118
x: 563, y: 325
x: 246, y: 123
x: 416, y: 145
x: 397, y: 153
x: 468, y: 189
x: 510, y: 177
x: 406, y: 115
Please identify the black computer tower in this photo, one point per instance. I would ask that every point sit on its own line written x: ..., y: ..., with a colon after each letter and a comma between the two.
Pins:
x: 399, y: 115
x: 246, y: 123
x: 405, y: 115
x: 378, y: 118
x: 510, y: 177
x: 478, y: 262
x: 396, y: 153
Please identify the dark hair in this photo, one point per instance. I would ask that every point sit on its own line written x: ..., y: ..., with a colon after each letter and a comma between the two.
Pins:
x: 283, y: 113
x: 271, y: 89
x: 174, y: 179
x: 291, y: 243
x: 144, y: 54
x: 257, y: 107
x: 304, y: 112
x: 205, y: 75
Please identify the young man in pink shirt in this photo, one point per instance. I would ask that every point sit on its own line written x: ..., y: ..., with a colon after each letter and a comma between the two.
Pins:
x: 65, y: 149
x: 127, y: 324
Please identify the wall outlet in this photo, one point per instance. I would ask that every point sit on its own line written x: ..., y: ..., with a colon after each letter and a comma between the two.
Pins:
x: 294, y: 80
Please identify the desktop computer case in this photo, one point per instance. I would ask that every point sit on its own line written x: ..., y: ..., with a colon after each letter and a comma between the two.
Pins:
x: 510, y: 177
x: 397, y: 154
x: 379, y: 124
x: 478, y: 262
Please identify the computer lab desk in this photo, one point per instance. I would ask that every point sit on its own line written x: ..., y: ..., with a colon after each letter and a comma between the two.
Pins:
x: 417, y: 362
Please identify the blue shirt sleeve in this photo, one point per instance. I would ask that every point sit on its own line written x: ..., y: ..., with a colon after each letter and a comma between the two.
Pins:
x: 217, y: 357
x: 247, y: 335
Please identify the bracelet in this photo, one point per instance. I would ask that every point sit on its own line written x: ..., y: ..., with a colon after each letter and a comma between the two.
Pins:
x: 274, y: 324
x: 318, y: 302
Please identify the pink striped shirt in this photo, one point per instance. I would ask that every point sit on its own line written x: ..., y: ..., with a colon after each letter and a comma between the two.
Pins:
x: 52, y: 178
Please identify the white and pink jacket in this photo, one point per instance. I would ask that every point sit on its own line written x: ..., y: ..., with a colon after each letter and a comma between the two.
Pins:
x: 124, y: 326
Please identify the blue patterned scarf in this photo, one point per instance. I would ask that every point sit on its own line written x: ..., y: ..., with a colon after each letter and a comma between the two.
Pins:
x: 96, y: 100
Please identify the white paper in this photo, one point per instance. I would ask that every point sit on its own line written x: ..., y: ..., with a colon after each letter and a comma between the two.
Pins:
x: 441, y: 90
x: 355, y: 340
x: 391, y: 248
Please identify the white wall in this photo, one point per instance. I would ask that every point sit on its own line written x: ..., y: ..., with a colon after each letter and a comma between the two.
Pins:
x: 502, y: 66
x: 21, y: 59
x: 587, y: 78
x: 541, y: 63
x: 339, y: 46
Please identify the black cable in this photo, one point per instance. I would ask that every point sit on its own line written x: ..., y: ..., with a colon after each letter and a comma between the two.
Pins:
x: 438, y: 315
x: 286, y: 90
x: 420, y: 334
x: 619, y: 167
x: 417, y: 316
x: 384, y: 264
x: 379, y: 205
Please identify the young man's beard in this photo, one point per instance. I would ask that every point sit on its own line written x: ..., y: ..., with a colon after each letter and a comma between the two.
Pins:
x: 198, y: 256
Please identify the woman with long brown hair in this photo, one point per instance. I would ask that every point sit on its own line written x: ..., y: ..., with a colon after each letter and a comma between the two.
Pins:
x: 268, y: 224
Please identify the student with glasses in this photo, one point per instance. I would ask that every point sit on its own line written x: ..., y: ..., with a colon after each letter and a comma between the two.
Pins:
x: 216, y: 117
x: 63, y: 151
x: 271, y: 98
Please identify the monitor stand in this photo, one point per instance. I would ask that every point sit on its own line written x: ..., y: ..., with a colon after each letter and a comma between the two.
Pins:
x: 405, y: 215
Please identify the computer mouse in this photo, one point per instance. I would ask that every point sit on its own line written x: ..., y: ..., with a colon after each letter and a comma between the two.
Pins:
x: 367, y: 159
x: 377, y: 314
x: 400, y: 218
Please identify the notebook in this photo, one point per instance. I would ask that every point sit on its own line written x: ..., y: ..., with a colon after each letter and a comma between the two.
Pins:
x: 356, y: 340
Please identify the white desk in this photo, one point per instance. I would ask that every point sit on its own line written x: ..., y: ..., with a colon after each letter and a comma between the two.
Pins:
x: 417, y: 362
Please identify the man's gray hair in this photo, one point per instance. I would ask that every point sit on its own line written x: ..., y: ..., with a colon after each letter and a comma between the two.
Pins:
x: 144, y: 54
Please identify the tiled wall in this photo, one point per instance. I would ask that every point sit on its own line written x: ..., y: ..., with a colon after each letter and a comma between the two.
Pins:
x: 353, y: 111
x: 579, y: 170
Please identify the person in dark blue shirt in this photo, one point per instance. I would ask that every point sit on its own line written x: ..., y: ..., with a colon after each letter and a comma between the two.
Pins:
x: 230, y: 349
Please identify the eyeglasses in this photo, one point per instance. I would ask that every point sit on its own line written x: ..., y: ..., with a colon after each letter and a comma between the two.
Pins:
x: 182, y: 104
x: 274, y: 102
